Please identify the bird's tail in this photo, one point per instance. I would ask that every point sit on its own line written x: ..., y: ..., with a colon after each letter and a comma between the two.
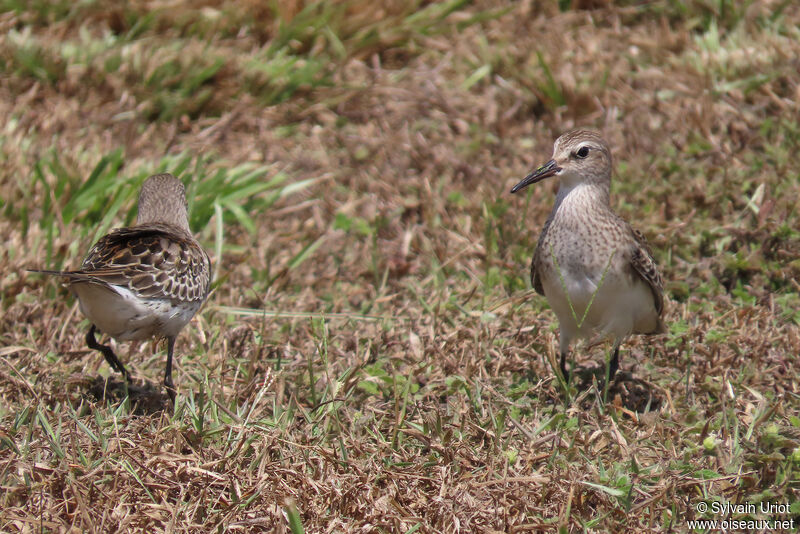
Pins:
x: 661, y: 327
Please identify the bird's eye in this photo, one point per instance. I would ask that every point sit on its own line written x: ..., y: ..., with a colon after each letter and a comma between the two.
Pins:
x: 582, y: 152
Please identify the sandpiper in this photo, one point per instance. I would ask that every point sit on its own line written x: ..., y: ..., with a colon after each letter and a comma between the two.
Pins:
x: 597, y: 272
x: 146, y: 280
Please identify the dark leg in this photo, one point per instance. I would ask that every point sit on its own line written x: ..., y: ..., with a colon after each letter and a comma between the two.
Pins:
x: 564, y: 366
x: 613, y: 365
x: 111, y: 358
x: 168, y: 373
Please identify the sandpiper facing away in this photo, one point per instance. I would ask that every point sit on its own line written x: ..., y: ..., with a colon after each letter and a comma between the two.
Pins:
x: 597, y: 272
x: 147, y: 280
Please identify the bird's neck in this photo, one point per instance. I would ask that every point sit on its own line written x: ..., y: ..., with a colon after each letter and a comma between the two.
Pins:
x: 582, y: 196
x: 177, y: 218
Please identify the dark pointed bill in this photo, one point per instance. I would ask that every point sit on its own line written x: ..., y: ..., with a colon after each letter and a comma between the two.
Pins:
x: 545, y: 171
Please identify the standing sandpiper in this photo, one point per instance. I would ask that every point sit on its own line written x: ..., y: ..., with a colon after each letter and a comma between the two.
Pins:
x: 597, y: 272
x: 147, y: 280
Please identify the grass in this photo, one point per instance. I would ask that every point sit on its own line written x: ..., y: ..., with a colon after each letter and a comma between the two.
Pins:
x: 372, y: 355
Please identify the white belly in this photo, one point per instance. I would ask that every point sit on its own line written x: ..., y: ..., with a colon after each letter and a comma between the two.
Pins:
x: 124, y: 316
x: 613, y: 307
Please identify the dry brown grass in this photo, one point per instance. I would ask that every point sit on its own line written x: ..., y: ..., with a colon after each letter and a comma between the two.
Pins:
x: 429, y: 405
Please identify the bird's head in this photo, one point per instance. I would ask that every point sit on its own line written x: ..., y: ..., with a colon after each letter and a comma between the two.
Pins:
x: 579, y: 156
